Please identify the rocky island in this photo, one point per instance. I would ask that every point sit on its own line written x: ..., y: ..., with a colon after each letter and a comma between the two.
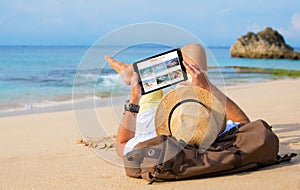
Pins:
x: 266, y: 44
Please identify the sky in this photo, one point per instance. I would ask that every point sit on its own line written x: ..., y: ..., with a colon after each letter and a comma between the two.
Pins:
x: 82, y: 22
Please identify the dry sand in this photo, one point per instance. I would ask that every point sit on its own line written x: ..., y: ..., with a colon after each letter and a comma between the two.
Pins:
x: 40, y: 151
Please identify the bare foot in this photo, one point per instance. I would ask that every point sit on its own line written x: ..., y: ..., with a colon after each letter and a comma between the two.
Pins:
x: 124, y: 69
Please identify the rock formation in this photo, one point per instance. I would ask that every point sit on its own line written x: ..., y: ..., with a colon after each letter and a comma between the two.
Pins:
x: 267, y: 44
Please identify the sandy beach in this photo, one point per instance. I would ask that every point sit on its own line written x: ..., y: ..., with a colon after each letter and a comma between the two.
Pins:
x: 39, y: 151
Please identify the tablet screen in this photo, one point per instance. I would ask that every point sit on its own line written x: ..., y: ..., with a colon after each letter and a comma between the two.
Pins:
x: 160, y: 71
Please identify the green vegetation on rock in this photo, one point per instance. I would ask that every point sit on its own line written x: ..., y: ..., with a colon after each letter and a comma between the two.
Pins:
x: 276, y: 72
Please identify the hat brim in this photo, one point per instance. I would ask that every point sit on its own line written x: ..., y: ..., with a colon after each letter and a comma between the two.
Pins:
x: 210, y: 129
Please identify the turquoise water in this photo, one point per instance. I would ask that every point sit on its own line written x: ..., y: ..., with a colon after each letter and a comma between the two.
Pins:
x: 39, y: 76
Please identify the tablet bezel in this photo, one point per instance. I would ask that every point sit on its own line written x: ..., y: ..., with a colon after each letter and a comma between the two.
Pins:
x: 136, y: 69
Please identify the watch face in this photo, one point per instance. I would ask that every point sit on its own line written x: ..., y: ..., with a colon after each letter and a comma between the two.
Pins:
x: 134, y: 108
x: 131, y: 107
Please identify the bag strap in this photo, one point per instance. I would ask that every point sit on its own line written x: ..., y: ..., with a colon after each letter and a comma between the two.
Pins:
x: 285, y: 158
x: 179, y: 157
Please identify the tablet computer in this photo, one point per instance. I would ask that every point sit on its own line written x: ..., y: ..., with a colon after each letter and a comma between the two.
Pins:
x: 160, y: 71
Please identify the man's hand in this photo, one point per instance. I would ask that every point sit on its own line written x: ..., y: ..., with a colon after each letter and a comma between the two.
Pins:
x: 199, y: 78
x: 136, y: 91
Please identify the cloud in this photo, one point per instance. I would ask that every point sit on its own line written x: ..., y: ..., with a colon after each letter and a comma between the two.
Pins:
x: 254, y: 27
x: 293, y: 30
x: 295, y: 21
x: 81, y: 19
x: 225, y: 10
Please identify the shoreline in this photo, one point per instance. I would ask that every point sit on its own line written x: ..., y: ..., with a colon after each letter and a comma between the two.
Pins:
x: 66, y: 106
x: 85, y: 103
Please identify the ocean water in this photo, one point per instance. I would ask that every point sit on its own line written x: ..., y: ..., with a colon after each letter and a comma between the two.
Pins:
x: 33, y: 77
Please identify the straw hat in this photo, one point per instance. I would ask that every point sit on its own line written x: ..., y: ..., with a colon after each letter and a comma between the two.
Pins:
x: 191, y: 114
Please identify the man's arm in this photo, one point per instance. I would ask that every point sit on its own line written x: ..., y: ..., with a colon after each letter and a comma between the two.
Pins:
x: 126, y: 131
x: 127, y: 126
x: 199, y: 78
x: 233, y: 111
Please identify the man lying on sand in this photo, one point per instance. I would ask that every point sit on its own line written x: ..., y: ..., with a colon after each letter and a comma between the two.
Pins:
x: 135, y: 128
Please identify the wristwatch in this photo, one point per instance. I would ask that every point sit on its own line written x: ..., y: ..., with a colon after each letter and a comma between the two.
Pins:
x: 131, y: 107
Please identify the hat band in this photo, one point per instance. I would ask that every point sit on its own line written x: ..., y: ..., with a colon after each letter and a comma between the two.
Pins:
x: 178, y: 104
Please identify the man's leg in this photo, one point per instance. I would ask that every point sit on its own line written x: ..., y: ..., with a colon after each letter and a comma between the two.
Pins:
x: 124, y: 69
x: 192, y: 54
x: 195, y: 54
